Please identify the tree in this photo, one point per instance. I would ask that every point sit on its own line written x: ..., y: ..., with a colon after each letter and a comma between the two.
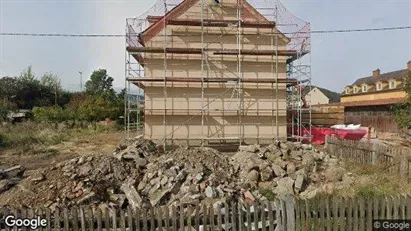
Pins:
x: 100, y: 83
x: 100, y: 100
x: 402, y: 111
x: 8, y: 88
x: 51, y: 81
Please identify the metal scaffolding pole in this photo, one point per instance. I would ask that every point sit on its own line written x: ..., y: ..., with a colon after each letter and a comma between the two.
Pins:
x: 165, y: 80
x: 202, y: 73
x: 239, y: 69
x: 276, y: 76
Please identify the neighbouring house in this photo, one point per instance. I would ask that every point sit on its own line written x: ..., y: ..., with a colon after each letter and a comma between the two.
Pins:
x: 318, y: 95
x: 368, y: 101
x: 176, y: 107
x: 378, y: 86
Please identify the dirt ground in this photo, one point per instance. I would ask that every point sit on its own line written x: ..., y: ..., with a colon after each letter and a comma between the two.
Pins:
x: 40, y: 157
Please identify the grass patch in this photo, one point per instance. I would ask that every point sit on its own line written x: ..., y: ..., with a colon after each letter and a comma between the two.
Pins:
x: 267, y: 193
x: 369, y: 191
x: 24, y: 136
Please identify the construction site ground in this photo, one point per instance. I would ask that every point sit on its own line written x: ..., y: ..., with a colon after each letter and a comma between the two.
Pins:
x: 101, y: 170
x: 41, y: 156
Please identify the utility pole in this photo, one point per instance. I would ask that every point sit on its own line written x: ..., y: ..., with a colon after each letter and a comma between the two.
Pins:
x: 81, y: 81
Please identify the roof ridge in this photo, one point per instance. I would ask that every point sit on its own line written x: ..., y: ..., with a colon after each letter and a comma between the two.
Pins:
x: 398, y: 74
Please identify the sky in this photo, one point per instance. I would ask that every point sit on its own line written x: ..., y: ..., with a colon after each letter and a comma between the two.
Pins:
x: 337, y: 59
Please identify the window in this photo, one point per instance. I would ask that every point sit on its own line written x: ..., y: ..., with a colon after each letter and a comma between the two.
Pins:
x: 347, y: 90
x: 355, y: 90
x: 379, y: 86
x: 392, y: 84
x: 364, y: 88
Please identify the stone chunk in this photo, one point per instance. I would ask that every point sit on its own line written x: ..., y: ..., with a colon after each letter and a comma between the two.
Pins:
x: 86, y: 197
x: 15, y: 171
x: 249, y: 148
x: 253, y: 176
x: 157, y: 197
x: 210, y: 192
x: 278, y: 171
x: 131, y: 193
x: 248, y: 196
x: 299, y: 183
x: 284, y: 187
x: 141, y: 162
x: 291, y: 168
x: 334, y: 174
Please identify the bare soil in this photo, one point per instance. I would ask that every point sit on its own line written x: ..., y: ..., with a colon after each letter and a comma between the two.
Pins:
x: 40, y: 156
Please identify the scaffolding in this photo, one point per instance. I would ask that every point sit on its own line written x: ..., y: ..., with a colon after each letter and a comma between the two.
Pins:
x: 276, y: 17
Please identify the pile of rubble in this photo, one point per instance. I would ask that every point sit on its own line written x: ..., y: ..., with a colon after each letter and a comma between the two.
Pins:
x: 10, y: 177
x: 143, y: 176
x: 290, y: 169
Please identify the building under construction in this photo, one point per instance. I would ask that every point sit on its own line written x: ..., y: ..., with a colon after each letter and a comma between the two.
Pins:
x: 217, y: 71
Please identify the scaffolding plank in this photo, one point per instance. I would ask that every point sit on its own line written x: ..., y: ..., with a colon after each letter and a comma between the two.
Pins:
x: 213, y: 23
x: 134, y: 50
x: 210, y: 80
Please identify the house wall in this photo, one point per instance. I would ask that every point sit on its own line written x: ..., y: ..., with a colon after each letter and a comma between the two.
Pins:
x: 374, y: 96
x: 183, y: 104
x: 315, y: 96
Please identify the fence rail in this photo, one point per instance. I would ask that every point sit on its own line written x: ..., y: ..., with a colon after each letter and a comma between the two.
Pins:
x: 324, y: 213
x: 394, y: 159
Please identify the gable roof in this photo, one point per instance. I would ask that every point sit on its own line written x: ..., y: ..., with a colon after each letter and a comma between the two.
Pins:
x: 400, y: 74
x: 334, y: 97
x: 158, y: 26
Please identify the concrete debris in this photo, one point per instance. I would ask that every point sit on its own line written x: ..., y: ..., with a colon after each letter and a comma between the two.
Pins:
x: 334, y: 174
x: 131, y: 193
x: 210, y: 192
x: 278, y: 171
x: 298, y: 184
x: 86, y: 198
x: 10, y: 177
x: 284, y: 187
x: 142, y: 176
x: 253, y: 176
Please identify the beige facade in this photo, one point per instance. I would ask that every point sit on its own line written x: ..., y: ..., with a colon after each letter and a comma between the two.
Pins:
x: 316, y: 96
x: 249, y: 110
x: 398, y: 93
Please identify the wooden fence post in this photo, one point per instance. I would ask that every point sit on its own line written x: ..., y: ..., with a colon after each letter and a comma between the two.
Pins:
x: 290, y: 212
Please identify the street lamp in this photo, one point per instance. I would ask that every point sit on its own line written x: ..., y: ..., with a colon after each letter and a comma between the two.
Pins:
x: 81, y: 80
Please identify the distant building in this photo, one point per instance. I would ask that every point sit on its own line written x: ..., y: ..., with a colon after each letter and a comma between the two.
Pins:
x: 319, y: 95
x: 368, y: 101
x: 377, y: 87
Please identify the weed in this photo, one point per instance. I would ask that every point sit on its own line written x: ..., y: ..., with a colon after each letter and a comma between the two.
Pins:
x: 267, y: 193
x: 24, y: 136
x: 368, y: 191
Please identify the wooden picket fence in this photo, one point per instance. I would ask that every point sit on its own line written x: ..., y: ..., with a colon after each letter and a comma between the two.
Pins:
x: 338, y: 213
x: 394, y: 159
x: 231, y: 216
x: 323, y: 213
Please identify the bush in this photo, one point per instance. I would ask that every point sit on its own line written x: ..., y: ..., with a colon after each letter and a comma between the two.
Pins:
x: 402, y: 111
x: 52, y: 114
